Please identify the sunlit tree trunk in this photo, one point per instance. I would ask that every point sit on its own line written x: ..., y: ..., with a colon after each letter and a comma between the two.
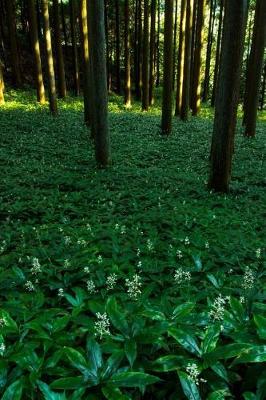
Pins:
x: 263, y: 88
x: 75, y: 63
x: 145, y: 59
x: 62, y: 7
x: 152, y: 50
x: 218, y: 52
x: 85, y: 61
x: 175, y: 39
x: 127, y: 57
x: 196, y: 74
x: 108, y: 61
x: 49, y: 58
x: 100, y: 96
x: 254, y: 71
x: 158, y: 45
x: 36, y: 52
x: 227, y: 95
x: 118, y: 53
x: 12, y: 33
x: 139, y: 52
x: 180, y: 61
x: 59, y: 52
x: 168, y: 69
x: 2, y: 85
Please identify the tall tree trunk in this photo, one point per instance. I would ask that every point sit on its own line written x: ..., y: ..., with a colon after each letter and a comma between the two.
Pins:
x: 145, y: 58
x: 39, y: 20
x: 86, y: 61
x: 250, y: 22
x: 75, y: 63
x: 108, y: 63
x: 100, y: 96
x: 227, y: 95
x: 127, y: 57
x: 140, y: 60
x: 180, y: 62
x: 196, y: 84
x: 193, y: 38
x: 168, y: 69
x: 218, y: 53
x: 209, y: 51
x: 158, y: 45
x: 175, y: 39
x: 59, y: 52
x: 263, y: 88
x: 36, y: 52
x: 254, y: 71
x: 136, y: 44
x: 64, y: 22
x: 12, y: 33
x: 49, y: 58
x: 2, y: 85
x: 152, y: 50
x: 187, y: 63
x: 117, y: 34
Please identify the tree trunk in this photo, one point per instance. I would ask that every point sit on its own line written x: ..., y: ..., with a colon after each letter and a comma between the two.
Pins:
x: 145, y: 58
x: 254, y: 71
x: 59, y: 52
x: 49, y: 58
x: 196, y: 84
x: 227, y: 95
x: 63, y: 22
x: 127, y: 57
x: 139, y: 47
x: 187, y: 63
x: 218, y: 53
x: 36, y: 52
x: 175, y: 38
x: 100, y: 96
x: 209, y: 51
x: 75, y: 63
x: 180, y: 62
x: 168, y: 69
x: 117, y: 34
x: 193, y: 38
x: 86, y: 61
x: 152, y: 50
x: 2, y: 85
x: 108, y: 63
x: 263, y: 88
x: 158, y: 45
x: 12, y: 33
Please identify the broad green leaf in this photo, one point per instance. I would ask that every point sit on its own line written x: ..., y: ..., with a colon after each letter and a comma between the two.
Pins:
x: 227, y: 351
x: 237, y: 308
x: 8, y: 323
x: 48, y: 393
x: 77, y: 360
x: 117, y: 317
x: 133, y: 379
x: 218, y: 395
x: 190, y: 389
x: 14, y: 391
x: 113, y: 363
x: 168, y: 363
x: 183, y: 310
x: 249, y: 396
x: 213, y: 280
x: 220, y: 370
x: 187, y: 341
x: 256, y: 354
x: 94, y: 355
x: 131, y: 351
x: 68, y: 383
x: 210, y: 339
x: 113, y: 393
x: 260, y: 322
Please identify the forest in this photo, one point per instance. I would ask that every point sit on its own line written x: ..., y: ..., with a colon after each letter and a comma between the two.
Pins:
x: 132, y: 199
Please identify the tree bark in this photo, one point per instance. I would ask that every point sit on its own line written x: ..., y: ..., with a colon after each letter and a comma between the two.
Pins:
x: 227, y: 95
x: 59, y: 52
x: 36, y: 52
x: 168, y: 69
x: 180, y: 62
x: 2, y: 85
x: 174, y: 46
x: 100, y: 96
x: 118, y: 55
x: 64, y: 23
x: 139, y: 48
x: 158, y: 45
x: 263, y: 88
x: 86, y: 61
x: 185, y: 105
x: 49, y: 58
x: 108, y: 63
x: 254, y: 71
x: 218, y: 53
x: 75, y: 63
x: 145, y: 58
x: 127, y: 57
x: 152, y: 50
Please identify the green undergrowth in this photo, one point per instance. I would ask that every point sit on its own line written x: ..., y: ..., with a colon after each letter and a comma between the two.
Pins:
x: 135, y: 282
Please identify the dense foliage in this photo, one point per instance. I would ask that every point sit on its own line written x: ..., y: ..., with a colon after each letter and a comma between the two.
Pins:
x: 133, y: 282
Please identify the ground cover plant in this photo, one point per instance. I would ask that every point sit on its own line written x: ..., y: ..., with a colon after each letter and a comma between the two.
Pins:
x: 134, y: 282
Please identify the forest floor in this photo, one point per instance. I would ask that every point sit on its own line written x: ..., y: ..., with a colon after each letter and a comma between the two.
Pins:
x: 66, y: 226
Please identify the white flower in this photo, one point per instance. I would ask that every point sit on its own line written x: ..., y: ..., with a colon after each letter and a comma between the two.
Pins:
x: 29, y: 286
x: 182, y: 276
x: 218, y: 308
x: 207, y: 245
x: 133, y: 286
x: 99, y: 259
x: 91, y: 286
x: 82, y: 242
x: 67, y: 240
x: 61, y: 292
x: 187, y: 241
x: 248, y: 279
x: 138, y: 252
x: 150, y: 245
x: 123, y: 229
x: 242, y: 299
x: 139, y: 264
x: 193, y: 373
x: 179, y: 254
x: 2, y: 322
x: 36, y: 267
x: 86, y: 270
x: 111, y: 281
x: 66, y: 263
x: 258, y: 253
x: 2, y: 349
x: 102, y: 325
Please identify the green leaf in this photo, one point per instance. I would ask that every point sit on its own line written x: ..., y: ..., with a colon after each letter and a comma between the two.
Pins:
x: 168, y: 363
x: 249, y: 396
x: 190, y: 389
x: 48, y: 393
x: 131, y: 351
x: 227, y: 351
x: 197, y: 262
x: 213, y: 280
x: 68, y: 383
x: 94, y: 355
x: 112, y: 393
x: 256, y: 354
x: 14, y: 391
x: 220, y: 370
x: 261, y: 326
x: 185, y: 340
x: 9, y: 324
x: 116, y: 316
x: 133, y: 379
x: 183, y: 310
x: 210, y: 339
x: 113, y: 364
x: 77, y: 360
x: 237, y: 308
x: 218, y: 395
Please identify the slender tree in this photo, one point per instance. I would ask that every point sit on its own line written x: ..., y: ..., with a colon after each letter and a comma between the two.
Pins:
x: 181, y: 52
x: 59, y: 51
x: 254, y: 71
x: 100, y: 96
x: 2, y: 85
x: 185, y: 105
x: 175, y: 40
x: 218, y: 52
x: 36, y: 52
x: 139, y: 51
x: 108, y: 60
x: 118, y: 45
x: 127, y: 57
x: 85, y: 61
x: 64, y: 28
x: 75, y: 63
x: 49, y: 58
x: 263, y: 88
x: 227, y: 95
x: 145, y: 59
x: 168, y: 69
x: 196, y: 84
x: 152, y: 50
x: 12, y: 34
x: 158, y: 44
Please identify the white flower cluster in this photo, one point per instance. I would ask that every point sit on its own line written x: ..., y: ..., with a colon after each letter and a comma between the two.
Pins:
x: 66, y: 263
x: 2, y: 246
x: 91, y: 286
x: 150, y: 245
x: 179, y: 254
x: 248, y: 279
x: 61, y: 292
x: 218, y: 309
x: 182, y: 276
x: 29, y: 286
x: 258, y: 253
x: 67, y: 240
x: 111, y: 281
x: 2, y: 349
x: 36, y: 266
x: 134, y: 286
x: 193, y: 373
x: 2, y: 322
x: 99, y: 259
x: 102, y: 325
